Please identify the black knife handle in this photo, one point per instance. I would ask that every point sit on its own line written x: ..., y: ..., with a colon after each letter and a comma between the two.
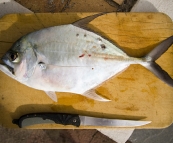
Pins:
x: 59, y: 118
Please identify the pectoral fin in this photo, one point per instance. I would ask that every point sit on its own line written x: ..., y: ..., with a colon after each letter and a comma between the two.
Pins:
x: 52, y: 95
x: 93, y: 95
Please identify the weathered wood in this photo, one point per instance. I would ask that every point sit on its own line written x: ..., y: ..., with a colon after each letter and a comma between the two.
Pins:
x: 135, y: 93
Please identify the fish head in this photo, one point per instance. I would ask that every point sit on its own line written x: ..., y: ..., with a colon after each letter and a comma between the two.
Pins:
x: 20, y: 60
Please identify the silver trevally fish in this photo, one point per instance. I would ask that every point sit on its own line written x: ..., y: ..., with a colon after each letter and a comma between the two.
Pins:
x: 70, y: 58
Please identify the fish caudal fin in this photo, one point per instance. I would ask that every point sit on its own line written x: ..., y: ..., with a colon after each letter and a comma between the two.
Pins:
x: 151, y: 65
x: 93, y: 95
x: 160, y: 49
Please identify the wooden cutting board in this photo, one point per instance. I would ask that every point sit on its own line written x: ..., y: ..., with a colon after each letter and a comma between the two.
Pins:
x: 135, y: 93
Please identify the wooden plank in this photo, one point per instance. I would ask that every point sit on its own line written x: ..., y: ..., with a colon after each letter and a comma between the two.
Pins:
x: 135, y: 93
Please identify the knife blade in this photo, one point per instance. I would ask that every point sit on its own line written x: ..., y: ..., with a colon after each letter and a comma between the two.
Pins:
x: 74, y: 119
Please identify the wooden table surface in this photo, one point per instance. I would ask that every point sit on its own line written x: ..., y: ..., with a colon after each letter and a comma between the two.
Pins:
x: 135, y: 93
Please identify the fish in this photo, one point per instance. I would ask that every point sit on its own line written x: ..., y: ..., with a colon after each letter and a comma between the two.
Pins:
x: 72, y: 58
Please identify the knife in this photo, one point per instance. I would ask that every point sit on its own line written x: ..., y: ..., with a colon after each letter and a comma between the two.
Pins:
x: 74, y: 119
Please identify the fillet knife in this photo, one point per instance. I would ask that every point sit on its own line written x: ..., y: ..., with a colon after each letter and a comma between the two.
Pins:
x: 74, y: 119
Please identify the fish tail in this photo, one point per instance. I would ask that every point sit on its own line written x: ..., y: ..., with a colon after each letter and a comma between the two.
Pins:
x: 150, y: 58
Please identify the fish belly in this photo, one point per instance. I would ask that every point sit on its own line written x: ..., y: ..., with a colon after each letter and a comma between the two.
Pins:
x: 73, y: 79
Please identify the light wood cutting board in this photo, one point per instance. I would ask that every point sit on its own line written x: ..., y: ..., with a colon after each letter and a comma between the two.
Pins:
x: 135, y: 93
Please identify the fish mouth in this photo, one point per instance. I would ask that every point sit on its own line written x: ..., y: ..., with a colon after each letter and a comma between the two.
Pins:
x: 3, y: 62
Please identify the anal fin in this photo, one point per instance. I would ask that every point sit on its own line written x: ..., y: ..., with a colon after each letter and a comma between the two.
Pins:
x: 93, y: 95
x: 52, y: 95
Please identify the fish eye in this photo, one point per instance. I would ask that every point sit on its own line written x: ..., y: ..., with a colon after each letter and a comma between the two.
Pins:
x: 14, y: 57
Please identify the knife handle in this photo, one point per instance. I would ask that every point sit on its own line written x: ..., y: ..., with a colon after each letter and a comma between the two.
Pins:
x: 59, y: 118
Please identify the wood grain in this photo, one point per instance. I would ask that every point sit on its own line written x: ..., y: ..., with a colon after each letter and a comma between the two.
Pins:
x: 135, y: 93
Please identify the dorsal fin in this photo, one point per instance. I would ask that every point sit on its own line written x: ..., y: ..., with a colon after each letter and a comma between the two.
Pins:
x: 82, y: 23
